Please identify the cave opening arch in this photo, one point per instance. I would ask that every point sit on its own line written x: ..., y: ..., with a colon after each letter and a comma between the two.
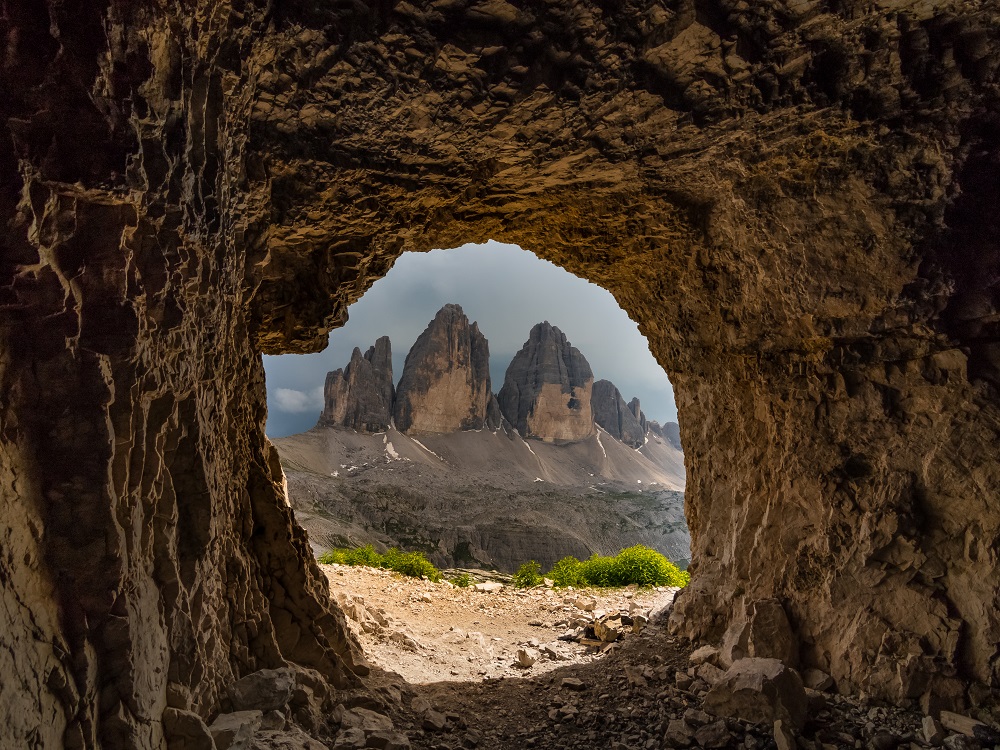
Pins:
x: 176, y: 203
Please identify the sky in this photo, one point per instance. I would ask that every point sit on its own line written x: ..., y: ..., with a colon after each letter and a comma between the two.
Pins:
x: 502, y: 287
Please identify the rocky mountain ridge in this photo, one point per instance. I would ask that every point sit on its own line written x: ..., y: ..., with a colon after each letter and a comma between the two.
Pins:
x: 549, y: 392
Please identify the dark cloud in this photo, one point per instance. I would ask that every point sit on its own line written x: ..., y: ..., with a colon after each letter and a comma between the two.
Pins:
x: 507, y: 290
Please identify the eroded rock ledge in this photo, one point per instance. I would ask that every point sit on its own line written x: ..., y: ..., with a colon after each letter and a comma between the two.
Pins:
x: 796, y: 205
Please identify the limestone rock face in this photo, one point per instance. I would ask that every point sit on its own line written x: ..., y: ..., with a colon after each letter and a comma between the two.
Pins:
x: 796, y: 202
x: 360, y: 396
x: 669, y: 431
x: 445, y: 385
x: 633, y: 406
x: 547, y: 388
x: 612, y: 414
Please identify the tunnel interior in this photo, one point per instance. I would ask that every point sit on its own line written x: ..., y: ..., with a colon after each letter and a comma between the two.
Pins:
x: 781, y: 197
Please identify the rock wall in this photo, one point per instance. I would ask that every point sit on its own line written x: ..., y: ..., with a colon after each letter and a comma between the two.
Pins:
x: 360, y: 396
x: 795, y: 201
x: 547, y: 388
x: 614, y: 416
x: 445, y: 385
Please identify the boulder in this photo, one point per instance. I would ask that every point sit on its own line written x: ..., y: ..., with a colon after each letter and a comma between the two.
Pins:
x: 762, y: 631
x: 263, y: 690
x: 759, y: 691
x: 185, y: 730
x: 234, y: 730
x: 445, y: 385
x: 290, y: 739
x: 360, y: 396
x: 547, y: 389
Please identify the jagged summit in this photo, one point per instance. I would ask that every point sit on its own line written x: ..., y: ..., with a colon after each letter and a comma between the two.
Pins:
x: 547, y: 388
x: 549, y: 392
x: 445, y: 384
x: 614, y: 416
x: 360, y: 396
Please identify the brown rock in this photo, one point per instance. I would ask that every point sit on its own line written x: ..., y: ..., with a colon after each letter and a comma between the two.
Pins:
x: 360, y: 396
x: 810, y: 248
x: 612, y: 414
x: 185, y: 730
x: 760, y: 691
x: 445, y: 385
x: 547, y: 389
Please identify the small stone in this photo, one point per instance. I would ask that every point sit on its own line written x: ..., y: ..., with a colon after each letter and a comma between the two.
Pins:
x: 366, y: 720
x: 382, y: 740
x: 488, y: 587
x: 817, y: 679
x: 960, y: 742
x: 264, y: 690
x: 784, y: 737
x: 884, y: 740
x: 704, y: 654
x: 186, y: 729
x: 525, y: 657
x: 434, y: 721
x: 714, y: 735
x: 572, y: 683
x: 607, y: 630
x: 349, y: 739
x: 932, y: 730
x: 697, y: 718
x: 586, y: 603
x: 235, y: 729
x: 678, y: 734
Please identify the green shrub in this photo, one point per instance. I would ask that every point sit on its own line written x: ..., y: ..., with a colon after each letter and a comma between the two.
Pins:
x: 333, y: 557
x: 639, y: 565
x: 599, y: 571
x: 412, y: 564
x: 528, y: 575
x: 567, y: 572
x: 462, y: 580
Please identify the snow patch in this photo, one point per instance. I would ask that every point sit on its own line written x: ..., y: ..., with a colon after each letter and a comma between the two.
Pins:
x: 390, y: 451
x: 602, y: 446
x: 334, y: 473
x: 427, y: 449
x: 539, y: 479
x: 529, y: 448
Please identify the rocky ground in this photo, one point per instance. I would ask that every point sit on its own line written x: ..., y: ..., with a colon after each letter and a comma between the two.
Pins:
x: 466, y: 668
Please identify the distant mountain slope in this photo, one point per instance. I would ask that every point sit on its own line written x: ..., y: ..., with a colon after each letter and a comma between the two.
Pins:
x: 482, y: 497
x: 553, y: 465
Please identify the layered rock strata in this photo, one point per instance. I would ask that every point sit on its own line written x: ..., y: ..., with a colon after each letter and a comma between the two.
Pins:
x: 547, y: 388
x: 614, y: 416
x: 794, y: 201
x: 360, y: 396
x: 445, y: 385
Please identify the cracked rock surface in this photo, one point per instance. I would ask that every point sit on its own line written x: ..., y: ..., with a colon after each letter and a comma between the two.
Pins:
x: 794, y: 200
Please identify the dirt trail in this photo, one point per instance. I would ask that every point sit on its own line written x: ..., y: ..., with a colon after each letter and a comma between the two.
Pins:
x: 432, y: 632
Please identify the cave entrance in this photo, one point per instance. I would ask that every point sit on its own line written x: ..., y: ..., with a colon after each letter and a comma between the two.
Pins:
x: 471, y: 410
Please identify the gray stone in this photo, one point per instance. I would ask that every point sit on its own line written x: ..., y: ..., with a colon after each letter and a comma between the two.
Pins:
x: 932, y: 730
x: 784, y: 737
x: 677, y: 734
x: 612, y: 414
x: 233, y: 731
x: 760, y: 691
x: 360, y: 396
x: 445, y: 385
x: 185, y: 730
x: 265, y: 689
x: 547, y: 388
x: 714, y: 735
x: 383, y: 740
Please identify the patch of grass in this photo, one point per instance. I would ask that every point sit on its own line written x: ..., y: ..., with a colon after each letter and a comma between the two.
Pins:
x: 462, y: 580
x: 413, y: 564
x: 639, y: 565
x: 528, y: 575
